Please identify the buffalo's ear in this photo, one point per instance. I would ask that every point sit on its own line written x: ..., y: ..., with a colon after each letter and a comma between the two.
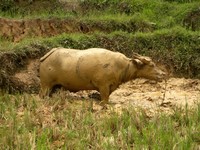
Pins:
x: 138, y: 63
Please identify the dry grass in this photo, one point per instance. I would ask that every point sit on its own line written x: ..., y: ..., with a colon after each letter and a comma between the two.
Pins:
x: 27, y: 122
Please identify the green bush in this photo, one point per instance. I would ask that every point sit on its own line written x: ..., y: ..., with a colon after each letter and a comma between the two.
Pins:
x: 6, y: 5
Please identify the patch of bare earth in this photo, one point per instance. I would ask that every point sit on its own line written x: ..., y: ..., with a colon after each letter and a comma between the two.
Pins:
x: 16, y: 30
x: 28, y: 78
x: 149, y: 96
x: 157, y: 97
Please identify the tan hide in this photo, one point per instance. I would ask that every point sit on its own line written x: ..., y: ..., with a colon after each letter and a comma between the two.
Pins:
x: 91, y: 69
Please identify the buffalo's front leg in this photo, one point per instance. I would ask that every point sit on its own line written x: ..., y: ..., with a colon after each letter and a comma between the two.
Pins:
x: 104, y: 93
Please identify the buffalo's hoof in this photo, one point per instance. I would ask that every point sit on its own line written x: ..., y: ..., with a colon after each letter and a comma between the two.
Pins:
x: 103, y: 103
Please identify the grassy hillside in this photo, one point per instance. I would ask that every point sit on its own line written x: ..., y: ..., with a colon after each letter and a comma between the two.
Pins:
x: 161, y: 13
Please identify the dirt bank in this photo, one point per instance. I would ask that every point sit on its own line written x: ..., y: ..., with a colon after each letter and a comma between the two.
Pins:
x: 16, y: 30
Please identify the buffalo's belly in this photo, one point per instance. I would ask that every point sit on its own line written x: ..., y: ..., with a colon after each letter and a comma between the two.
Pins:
x: 77, y: 86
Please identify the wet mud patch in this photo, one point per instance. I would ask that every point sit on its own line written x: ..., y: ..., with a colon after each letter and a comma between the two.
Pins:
x: 151, y: 97
x: 155, y: 97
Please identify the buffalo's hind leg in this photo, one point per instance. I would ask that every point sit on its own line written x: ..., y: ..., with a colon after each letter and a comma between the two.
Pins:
x: 45, y: 90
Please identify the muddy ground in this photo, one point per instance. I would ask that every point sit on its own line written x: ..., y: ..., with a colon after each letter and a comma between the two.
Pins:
x: 152, y: 97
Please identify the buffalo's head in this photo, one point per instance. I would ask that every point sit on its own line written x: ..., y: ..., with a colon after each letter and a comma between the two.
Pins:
x: 146, y: 68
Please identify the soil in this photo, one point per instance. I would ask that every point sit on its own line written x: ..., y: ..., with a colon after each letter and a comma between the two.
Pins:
x: 16, y: 30
x: 28, y: 78
x: 152, y: 97
x: 149, y: 96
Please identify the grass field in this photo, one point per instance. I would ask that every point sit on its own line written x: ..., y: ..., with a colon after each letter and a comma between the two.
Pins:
x: 29, y: 123
x: 166, y: 30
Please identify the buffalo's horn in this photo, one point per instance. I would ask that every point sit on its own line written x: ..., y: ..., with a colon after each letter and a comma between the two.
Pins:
x: 144, y: 59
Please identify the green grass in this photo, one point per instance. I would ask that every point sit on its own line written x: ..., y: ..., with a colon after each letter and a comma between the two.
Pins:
x: 27, y: 122
x: 165, y: 14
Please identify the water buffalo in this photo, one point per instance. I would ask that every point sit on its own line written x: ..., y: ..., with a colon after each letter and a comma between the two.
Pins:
x: 93, y: 69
